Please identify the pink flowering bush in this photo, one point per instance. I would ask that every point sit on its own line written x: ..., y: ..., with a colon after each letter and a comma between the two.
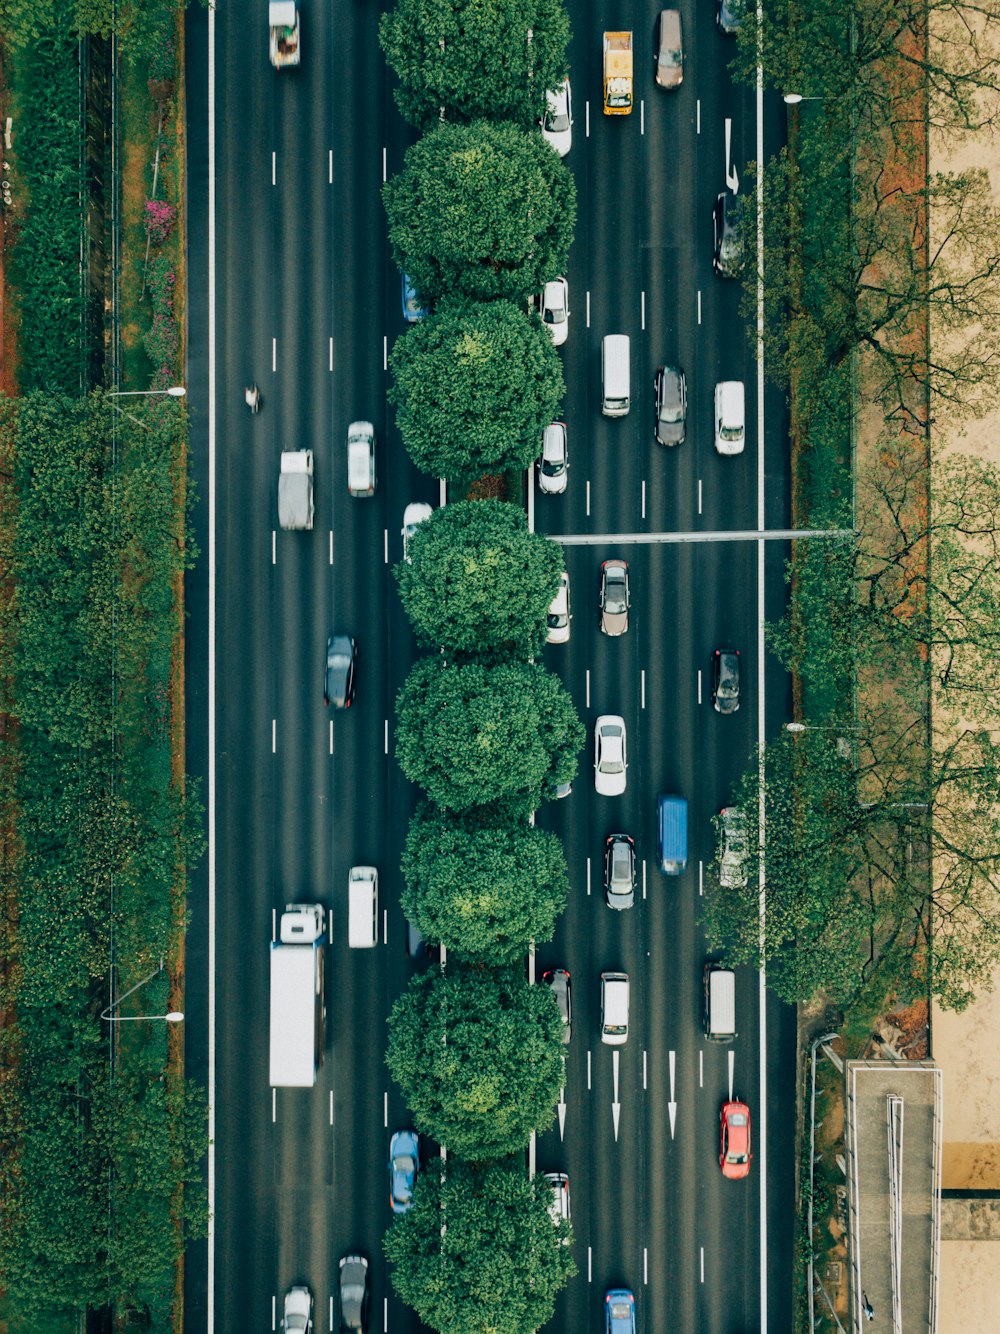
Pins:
x: 160, y: 217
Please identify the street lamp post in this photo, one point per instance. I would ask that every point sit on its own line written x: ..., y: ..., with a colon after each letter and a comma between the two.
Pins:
x: 175, y: 391
x: 843, y: 745
x: 793, y: 99
x: 172, y: 1017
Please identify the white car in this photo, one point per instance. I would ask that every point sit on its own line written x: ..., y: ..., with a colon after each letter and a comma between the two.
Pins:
x: 559, y: 1208
x: 298, y: 1311
x: 557, y: 123
x: 554, y: 463
x: 559, y: 614
x: 361, y: 459
x: 555, y: 310
x: 733, y: 861
x: 610, y: 755
x: 414, y: 515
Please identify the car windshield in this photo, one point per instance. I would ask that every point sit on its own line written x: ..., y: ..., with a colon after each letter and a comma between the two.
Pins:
x: 404, y: 1163
x: 620, y: 1310
x: 554, y: 315
x: 557, y: 121
x: 552, y: 464
x: 340, y: 660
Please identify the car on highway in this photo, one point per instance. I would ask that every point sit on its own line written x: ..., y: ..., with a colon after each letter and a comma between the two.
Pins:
x: 296, y: 1315
x: 414, y: 515
x: 610, y: 755
x: 734, y: 1150
x: 728, y: 235
x: 361, y: 459
x: 404, y: 1164
x: 557, y: 123
x: 614, y: 1008
x: 354, y: 1297
x: 615, y: 599
x: 669, y: 54
x: 726, y: 680
x: 671, y: 405
x: 553, y: 466
x: 730, y: 418
x: 416, y: 946
x: 559, y: 1208
x: 729, y: 15
x: 338, y: 682
x: 733, y: 858
x: 558, y: 982
x: 555, y: 309
x: 619, y: 870
x: 619, y: 1312
x: 559, y: 614
x: 413, y: 308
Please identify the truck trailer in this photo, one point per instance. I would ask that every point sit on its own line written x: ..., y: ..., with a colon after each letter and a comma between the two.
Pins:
x: 617, y: 73
x: 297, y: 1008
x: 295, y: 489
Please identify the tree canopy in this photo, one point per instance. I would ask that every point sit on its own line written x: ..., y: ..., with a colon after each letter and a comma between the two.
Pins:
x: 474, y: 60
x: 471, y: 733
x: 478, y: 1055
x: 480, y: 582
x: 477, y: 1253
x: 481, y: 210
x: 483, y: 890
x: 475, y: 385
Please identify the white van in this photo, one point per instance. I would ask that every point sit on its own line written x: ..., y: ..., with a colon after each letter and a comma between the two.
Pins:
x: 614, y: 1009
x: 615, y: 375
x: 362, y: 907
x: 730, y: 417
x: 720, y: 1003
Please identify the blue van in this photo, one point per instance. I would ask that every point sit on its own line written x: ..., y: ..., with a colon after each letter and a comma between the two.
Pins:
x: 672, y: 834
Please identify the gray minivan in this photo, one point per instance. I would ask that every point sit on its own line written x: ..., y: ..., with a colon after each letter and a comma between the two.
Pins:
x: 672, y: 834
x: 670, y: 50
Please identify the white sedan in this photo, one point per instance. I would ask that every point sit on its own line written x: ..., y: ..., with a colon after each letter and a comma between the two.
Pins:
x: 557, y: 123
x: 557, y: 631
x: 610, y: 756
x: 555, y: 310
x: 414, y: 515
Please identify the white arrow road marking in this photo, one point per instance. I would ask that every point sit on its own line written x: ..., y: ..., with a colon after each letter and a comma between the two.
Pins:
x: 732, y: 179
x: 616, y: 1107
x: 672, y: 1105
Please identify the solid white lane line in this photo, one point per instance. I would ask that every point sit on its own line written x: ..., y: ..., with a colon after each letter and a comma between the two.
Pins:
x: 274, y: 547
x: 331, y: 736
x: 643, y: 307
x: 385, y: 1109
x: 588, y: 497
x: 330, y: 548
x: 697, y: 116
x: 442, y: 492
x: 274, y: 1105
x: 644, y: 877
x: 701, y: 878
x: 699, y: 305
x: 386, y: 738
x: 642, y: 116
x: 701, y: 1069
x: 384, y: 165
x: 587, y: 117
x: 274, y: 736
x: 385, y: 926
x: 699, y: 495
x: 588, y: 308
x: 642, y: 688
x: 645, y: 1265
x: 274, y: 1311
x: 588, y: 877
x: 385, y: 545
x: 331, y: 353
x: 702, y: 1264
x: 699, y: 685
x: 274, y: 355
x: 329, y: 166
x: 385, y: 352
x: 588, y: 1069
x: 644, y: 497
x: 274, y: 168
x: 644, y: 1085
x: 588, y: 687
x: 331, y: 1122
x: 590, y: 1264
x: 385, y: 1316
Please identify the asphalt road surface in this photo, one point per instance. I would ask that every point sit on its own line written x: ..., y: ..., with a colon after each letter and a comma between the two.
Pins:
x: 305, y: 301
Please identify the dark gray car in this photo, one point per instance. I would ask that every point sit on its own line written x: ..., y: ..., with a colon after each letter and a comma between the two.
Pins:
x: 726, y: 680
x: 354, y: 1294
x: 615, y: 599
x: 619, y: 870
x: 729, y: 235
x: 338, y: 683
x: 671, y: 405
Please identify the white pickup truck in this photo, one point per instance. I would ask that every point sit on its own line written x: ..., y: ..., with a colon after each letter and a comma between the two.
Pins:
x: 283, y: 18
x: 295, y: 489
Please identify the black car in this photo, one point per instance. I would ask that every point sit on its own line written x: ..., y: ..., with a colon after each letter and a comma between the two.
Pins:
x: 729, y: 233
x: 671, y: 405
x: 726, y: 680
x: 354, y: 1294
x: 338, y: 683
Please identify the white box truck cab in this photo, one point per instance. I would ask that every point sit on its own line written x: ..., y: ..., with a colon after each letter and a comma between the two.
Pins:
x: 616, y: 385
x: 614, y: 1009
x: 719, y: 1003
x: 362, y: 907
x: 298, y: 1011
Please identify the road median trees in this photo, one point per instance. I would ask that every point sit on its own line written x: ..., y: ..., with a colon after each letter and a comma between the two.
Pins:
x: 483, y: 890
x: 482, y: 211
x: 475, y: 385
x: 479, y: 581
x: 478, y: 1252
x: 478, y: 1055
x: 469, y: 733
x: 458, y: 60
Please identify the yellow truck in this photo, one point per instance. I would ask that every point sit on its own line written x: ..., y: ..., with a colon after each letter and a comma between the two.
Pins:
x: 617, y: 73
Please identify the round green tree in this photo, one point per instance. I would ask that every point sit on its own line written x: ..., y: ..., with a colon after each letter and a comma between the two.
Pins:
x: 481, y: 211
x: 475, y: 386
x: 472, y: 733
x: 483, y: 891
x: 478, y: 1055
x: 496, y: 1265
x: 480, y: 582
x: 475, y: 60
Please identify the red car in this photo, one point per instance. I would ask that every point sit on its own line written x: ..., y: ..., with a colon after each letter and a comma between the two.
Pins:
x: 734, y: 1153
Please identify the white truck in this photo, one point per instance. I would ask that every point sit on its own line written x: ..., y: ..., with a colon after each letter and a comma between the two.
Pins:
x: 295, y: 489
x: 297, y: 1008
x: 283, y: 18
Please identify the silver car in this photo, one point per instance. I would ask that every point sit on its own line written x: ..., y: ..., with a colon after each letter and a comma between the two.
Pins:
x: 297, y: 1315
x: 615, y: 598
x: 554, y: 463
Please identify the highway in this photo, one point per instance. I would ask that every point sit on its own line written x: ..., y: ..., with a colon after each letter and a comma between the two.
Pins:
x: 291, y: 286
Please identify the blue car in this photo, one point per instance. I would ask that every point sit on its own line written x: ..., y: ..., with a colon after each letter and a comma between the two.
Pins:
x: 404, y: 1164
x: 619, y: 1311
x: 413, y: 309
